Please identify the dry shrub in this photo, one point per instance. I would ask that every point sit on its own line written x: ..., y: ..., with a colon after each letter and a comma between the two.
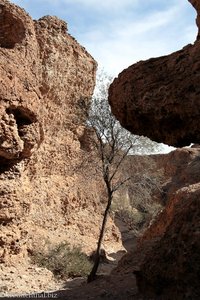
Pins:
x: 62, y: 260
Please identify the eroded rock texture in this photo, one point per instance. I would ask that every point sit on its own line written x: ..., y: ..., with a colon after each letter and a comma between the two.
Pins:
x: 43, y: 74
x: 172, y: 266
x: 167, y: 261
x: 160, y: 97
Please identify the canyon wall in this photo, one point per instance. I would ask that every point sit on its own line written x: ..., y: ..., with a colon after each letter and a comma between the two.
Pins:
x: 44, y: 72
x: 160, y: 98
x: 166, y: 258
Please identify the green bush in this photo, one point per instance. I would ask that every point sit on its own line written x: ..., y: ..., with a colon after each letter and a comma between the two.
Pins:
x: 63, y: 261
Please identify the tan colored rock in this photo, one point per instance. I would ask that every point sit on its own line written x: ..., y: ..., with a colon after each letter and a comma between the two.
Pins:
x: 171, y: 268
x: 181, y: 171
x: 159, y: 98
x: 43, y: 73
x: 166, y: 260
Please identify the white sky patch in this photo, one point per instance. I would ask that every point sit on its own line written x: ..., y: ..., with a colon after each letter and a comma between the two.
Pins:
x: 92, y: 5
x: 147, y: 23
x: 96, y: 5
x: 103, y: 4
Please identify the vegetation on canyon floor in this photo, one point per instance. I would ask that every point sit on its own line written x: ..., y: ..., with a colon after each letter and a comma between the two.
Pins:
x: 62, y: 260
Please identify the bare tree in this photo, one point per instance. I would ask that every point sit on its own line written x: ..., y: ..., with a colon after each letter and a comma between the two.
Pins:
x: 113, y: 144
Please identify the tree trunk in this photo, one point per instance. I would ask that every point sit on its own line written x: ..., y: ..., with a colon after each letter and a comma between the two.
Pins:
x: 92, y: 275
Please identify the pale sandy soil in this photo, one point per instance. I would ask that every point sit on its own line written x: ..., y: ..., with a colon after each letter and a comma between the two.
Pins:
x: 44, y: 286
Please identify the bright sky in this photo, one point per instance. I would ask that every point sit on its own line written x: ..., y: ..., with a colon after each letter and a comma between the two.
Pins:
x: 119, y: 33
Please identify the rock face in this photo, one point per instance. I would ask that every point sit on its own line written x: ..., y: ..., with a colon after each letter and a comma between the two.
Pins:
x: 196, y: 5
x: 43, y: 74
x: 166, y: 261
x: 181, y: 171
x: 171, y: 267
x: 159, y: 98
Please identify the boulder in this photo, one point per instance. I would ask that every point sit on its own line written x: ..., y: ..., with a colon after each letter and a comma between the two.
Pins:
x: 159, y: 98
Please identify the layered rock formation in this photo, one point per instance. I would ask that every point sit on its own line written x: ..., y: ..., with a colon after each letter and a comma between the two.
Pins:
x: 43, y: 74
x: 159, y: 98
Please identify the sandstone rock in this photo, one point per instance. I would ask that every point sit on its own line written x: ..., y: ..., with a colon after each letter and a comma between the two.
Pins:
x: 43, y: 74
x: 181, y: 171
x: 166, y: 261
x: 171, y: 265
x: 171, y: 268
x: 159, y: 98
